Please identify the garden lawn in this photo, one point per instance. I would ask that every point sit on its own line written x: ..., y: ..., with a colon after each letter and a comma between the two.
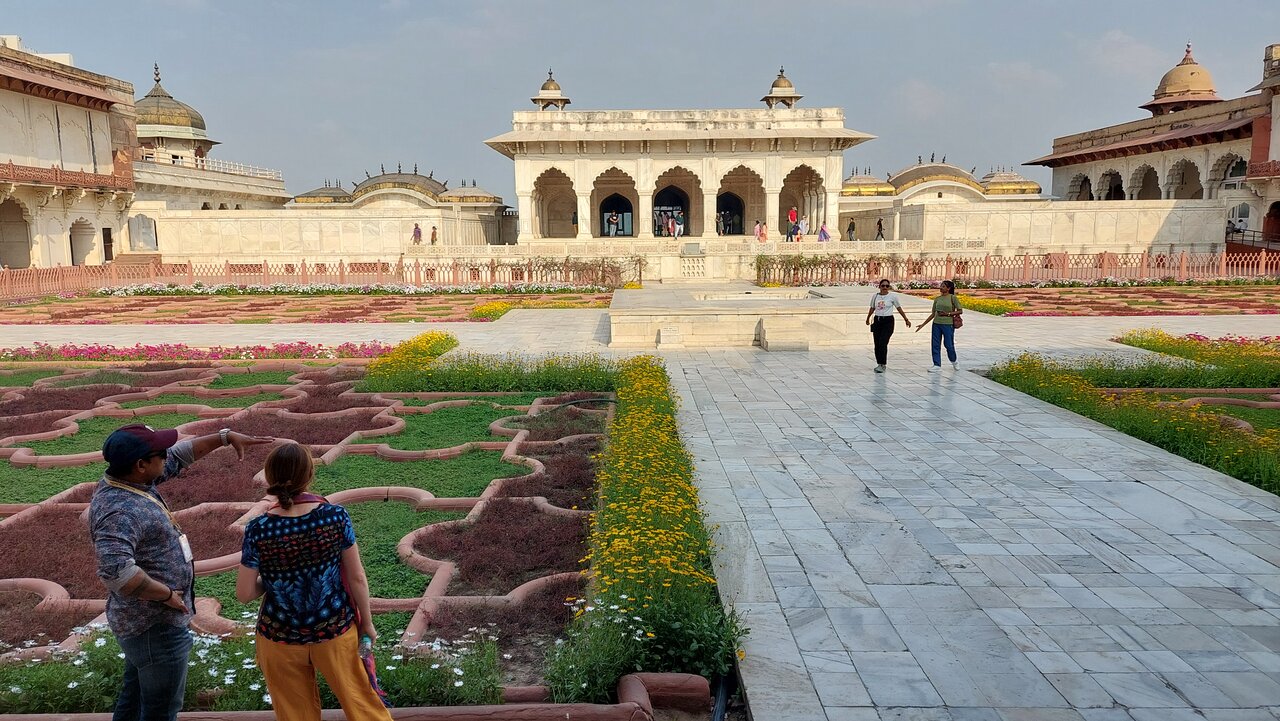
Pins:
x: 94, y: 431
x: 24, y: 378
x: 258, y: 378
x: 445, y: 427
x: 20, y: 484
x: 1262, y: 419
x: 380, y: 525
x: 211, y: 401
x: 515, y: 399
x: 464, y: 476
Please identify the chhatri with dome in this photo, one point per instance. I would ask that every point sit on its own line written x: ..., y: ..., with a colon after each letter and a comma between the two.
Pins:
x: 1194, y: 147
x: 575, y: 169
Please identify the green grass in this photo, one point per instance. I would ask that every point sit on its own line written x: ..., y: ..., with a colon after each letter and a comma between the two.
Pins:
x: 445, y: 428
x: 465, y: 476
x: 1262, y: 419
x: 212, y: 402
x: 516, y: 399
x: 222, y: 586
x: 480, y: 372
x: 251, y: 321
x: 93, y: 431
x: 379, y: 527
x: 33, y: 485
x: 259, y: 378
x: 26, y: 378
x: 104, y: 376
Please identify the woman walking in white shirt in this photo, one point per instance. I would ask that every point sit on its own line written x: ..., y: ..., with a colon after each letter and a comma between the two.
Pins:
x: 880, y: 318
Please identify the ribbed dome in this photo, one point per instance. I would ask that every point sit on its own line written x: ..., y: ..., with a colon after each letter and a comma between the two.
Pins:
x: 471, y: 193
x: 1188, y: 83
x: 326, y: 194
x: 550, y: 83
x: 782, y: 82
x: 412, y: 181
x: 865, y: 184
x: 1008, y: 182
x: 159, y: 108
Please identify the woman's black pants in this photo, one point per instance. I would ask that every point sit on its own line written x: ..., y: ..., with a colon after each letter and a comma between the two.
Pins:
x: 881, y: 330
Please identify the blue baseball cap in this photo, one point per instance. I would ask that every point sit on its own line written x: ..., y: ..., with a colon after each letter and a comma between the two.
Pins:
x: 136, y: 441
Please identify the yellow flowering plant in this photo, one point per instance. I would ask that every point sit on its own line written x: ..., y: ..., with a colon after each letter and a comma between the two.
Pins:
x: 650, y: 555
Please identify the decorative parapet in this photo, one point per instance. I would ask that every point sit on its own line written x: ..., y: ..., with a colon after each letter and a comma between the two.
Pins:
x: 57, y: 177
x: 216, y: 165
x: 1264, y: 169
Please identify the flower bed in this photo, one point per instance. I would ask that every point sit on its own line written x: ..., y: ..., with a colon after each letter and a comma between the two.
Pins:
x: 488, y: 373
x: 321, y: 289
x: 181, y: 351
x: 508, y: 539
x: 654, y: 602
x: 507, y: 545
x: 1189, y: 431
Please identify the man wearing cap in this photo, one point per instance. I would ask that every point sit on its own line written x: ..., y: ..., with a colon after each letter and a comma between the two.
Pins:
x: 146, y: 562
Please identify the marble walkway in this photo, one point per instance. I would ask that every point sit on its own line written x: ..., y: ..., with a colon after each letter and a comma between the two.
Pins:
x: 936, y: 547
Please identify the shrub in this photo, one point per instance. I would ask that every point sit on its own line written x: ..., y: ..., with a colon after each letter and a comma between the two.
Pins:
x: 655, y: 603
x: 479, y: 372
x: 410, y: 356
x: 490, y: 311
x: 990, y: 306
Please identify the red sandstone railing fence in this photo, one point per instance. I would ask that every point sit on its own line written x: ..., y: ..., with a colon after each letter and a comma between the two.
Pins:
x: 612, y: 272
x: 1020, y: 269
x: 38, y: 282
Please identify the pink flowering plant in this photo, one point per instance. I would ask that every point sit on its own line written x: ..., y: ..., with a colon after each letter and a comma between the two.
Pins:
x: 198, y: 289
x: 180, y: 351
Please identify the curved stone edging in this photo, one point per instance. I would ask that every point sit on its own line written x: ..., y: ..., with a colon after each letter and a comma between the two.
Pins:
x: 638, y: 695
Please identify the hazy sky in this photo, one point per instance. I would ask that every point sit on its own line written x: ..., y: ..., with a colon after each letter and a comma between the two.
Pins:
x: 322, y: 89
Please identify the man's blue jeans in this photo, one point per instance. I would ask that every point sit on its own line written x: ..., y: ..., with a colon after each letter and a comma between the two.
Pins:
x: 155, y: 674
x: 943, y: 334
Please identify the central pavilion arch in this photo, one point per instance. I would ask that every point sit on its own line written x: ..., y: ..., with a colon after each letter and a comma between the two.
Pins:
x: 554, y: 205
x: 679, y: 187
x: 742, y: 187
x: 802, y: 188
x: 614, y: 191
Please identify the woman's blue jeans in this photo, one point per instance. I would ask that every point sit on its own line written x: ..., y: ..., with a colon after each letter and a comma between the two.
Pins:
x: 943, y: 334
x: 155, y: 674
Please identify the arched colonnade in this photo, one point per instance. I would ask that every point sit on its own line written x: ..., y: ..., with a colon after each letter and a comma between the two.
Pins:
x: 727, y: 202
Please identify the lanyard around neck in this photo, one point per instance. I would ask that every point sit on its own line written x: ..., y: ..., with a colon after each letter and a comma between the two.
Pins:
x: 149, y: 497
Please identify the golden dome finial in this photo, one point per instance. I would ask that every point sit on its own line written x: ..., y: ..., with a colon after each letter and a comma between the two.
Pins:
x: 157, y: 72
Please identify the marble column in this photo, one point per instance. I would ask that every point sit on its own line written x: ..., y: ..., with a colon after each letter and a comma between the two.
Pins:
x: 776, y: 231
x: 586, y: 218
x: 644, y: 221
x: 708, y: 214
x: 524, y: 203
x: 831, y: 213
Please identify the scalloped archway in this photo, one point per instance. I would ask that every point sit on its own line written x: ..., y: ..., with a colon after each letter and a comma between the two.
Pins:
x: 555, y: 206
x: 15, y: 235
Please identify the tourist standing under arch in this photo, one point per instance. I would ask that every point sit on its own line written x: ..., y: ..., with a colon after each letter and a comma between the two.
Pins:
x: 945, y: 316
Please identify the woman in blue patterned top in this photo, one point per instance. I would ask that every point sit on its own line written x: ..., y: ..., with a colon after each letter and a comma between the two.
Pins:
x: 301, y: 557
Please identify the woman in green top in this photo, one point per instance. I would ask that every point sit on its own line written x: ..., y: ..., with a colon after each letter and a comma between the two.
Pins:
x: 945, y: 310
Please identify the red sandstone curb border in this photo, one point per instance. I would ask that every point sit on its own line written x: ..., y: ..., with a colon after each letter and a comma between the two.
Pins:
x: 638, y: 695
